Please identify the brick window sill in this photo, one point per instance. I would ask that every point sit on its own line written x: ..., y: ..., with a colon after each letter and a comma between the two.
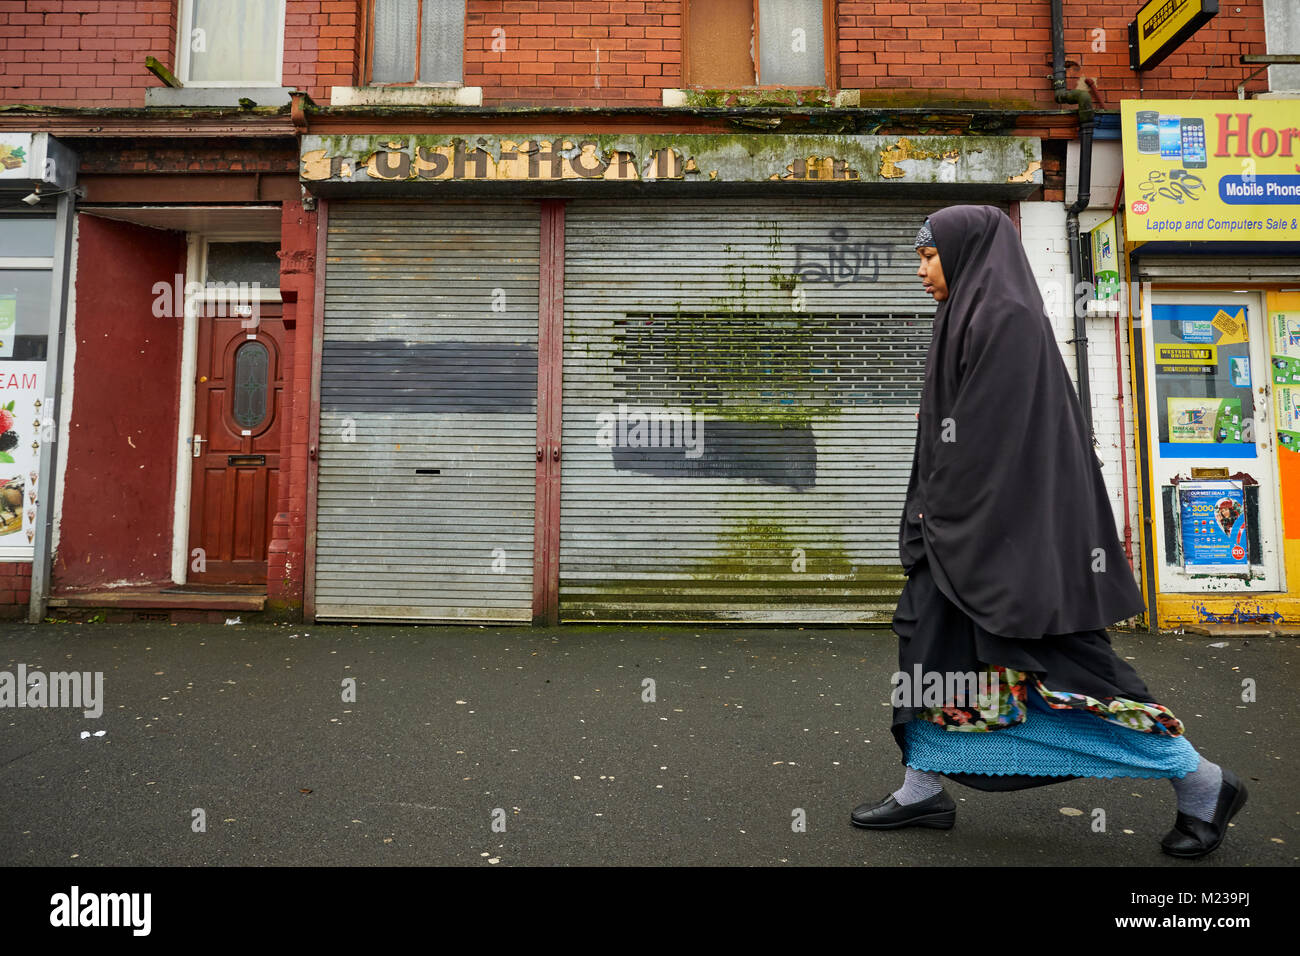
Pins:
x: 406, y: 96
x: 216, y: 95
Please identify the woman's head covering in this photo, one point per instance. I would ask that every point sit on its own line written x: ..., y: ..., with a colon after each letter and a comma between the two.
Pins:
x: 1000, y: 421
x: 925, y: 237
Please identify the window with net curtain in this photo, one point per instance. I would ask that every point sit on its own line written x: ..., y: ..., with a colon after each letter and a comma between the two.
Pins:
x: 417, y: 41
x: 233, y: 42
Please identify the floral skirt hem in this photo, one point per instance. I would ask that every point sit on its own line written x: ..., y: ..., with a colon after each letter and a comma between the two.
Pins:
x: 1002, y: 702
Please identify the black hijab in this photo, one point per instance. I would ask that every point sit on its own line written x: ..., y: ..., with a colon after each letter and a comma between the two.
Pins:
x: 1006, y: 496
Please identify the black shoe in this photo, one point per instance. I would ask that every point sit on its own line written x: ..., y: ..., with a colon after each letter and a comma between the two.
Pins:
x: 937, y: 812
x: 1192, y: 837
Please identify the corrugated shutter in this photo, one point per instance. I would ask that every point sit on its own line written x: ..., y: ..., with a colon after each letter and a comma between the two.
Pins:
x: 428, y: 412
x: 1200, y: 268
x: 790, y: 512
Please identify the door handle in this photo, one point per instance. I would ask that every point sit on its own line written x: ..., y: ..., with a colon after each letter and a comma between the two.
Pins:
x: 555, y: 453
x: 197, y: 443
x: 541, y: 452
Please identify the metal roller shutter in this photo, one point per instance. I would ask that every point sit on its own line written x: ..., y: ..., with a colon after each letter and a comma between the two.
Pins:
x: 428, y: 412
x: 789, y: 512
x: 1202, y: 268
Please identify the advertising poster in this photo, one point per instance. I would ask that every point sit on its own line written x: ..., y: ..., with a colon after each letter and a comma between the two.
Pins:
x: 22, y: 387
x: 1204, y: 420
x: 1212, y: 515
x: 1186, y: 360
x: 15, y: 150
x: 1211, y: 170
x: 1105, y: 261
x: 1288, y: 417
x: 1285, y: 327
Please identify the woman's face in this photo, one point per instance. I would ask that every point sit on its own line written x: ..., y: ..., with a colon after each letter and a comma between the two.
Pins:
x: 931, y: 273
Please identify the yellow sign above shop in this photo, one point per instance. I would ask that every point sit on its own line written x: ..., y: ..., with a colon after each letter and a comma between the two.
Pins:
x: 1211, y: 170
x: 1161, y: 26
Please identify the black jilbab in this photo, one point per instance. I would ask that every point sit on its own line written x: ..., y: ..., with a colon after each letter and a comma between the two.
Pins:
x: 1007, y: 536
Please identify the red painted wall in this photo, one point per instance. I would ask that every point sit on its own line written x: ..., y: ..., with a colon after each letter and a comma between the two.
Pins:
x: 73, y: 52
x: 115, y: 520
x: 286, y: 559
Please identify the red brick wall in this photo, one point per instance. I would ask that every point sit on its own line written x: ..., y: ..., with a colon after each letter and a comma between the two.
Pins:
x: 75, y: 53
x: 321, y: 47
x: 551, y: 51
x: 1003, y: 50
x: 15, y: 588
x: 91, y: 52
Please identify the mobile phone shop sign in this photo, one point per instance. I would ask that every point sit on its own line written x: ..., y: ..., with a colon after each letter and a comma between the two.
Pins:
x: 1211, y: 170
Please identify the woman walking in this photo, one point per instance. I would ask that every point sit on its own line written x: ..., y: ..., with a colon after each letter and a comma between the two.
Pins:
x: 1014, y: 568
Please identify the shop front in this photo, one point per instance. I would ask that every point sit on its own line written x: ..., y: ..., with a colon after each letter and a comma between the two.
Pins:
x: 1212, y: 197
x: 624, y: 378
x: 37, y: 177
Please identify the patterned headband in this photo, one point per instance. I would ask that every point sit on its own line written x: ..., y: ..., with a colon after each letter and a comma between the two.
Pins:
x: 925, y: 237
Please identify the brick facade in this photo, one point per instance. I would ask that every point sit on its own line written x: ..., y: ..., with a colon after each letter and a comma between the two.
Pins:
x: 69, y: 53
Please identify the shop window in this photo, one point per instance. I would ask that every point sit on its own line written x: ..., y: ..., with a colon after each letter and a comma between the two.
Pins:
x: 230, y: 42
x: 416, y: 42
x: 26, y: 288
x: 26, y: 283
x: 731, y: 43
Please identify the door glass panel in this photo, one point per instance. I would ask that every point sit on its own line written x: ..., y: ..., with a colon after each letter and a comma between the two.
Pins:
x: 1204, y: 401
x: 252, y: 364
x: 251, y: 262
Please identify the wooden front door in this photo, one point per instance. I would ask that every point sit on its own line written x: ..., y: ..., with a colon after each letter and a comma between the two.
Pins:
x: 238, y: 414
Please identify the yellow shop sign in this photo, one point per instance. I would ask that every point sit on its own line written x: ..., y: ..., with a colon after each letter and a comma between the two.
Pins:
x: 1211, y: 170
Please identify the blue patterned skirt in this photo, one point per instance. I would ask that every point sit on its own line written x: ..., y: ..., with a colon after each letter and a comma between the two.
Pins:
x: 1049, y: 743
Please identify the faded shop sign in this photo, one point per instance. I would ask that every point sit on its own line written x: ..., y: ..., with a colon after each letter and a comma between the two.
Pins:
x: 647, y: 157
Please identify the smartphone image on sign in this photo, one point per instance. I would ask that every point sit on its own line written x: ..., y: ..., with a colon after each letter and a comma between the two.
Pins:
x: 1192, y: 139
x: 1148, y: 131
x: 1170, y: 137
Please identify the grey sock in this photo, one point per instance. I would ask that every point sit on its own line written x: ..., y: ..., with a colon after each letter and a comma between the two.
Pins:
x: 918, y: 785
x: 1198, y: 792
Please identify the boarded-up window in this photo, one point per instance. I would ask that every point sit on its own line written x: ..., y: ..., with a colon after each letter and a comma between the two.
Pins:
x: 732, y: 43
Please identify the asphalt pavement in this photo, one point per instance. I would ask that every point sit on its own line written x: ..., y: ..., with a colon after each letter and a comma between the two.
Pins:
x: 497, y: 746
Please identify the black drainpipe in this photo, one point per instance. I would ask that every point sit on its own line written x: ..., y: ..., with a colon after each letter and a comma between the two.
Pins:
x: 1083, y: 99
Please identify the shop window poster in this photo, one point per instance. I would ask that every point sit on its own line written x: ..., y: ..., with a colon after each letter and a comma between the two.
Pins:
x: 1212, y: 515
x: 1288, y: 416
x: 1204, y: 420
x: 1286, y: 348
x: 22, y: 387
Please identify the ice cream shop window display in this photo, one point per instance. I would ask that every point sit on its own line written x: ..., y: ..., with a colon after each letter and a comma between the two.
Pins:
x: 26, y: 277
